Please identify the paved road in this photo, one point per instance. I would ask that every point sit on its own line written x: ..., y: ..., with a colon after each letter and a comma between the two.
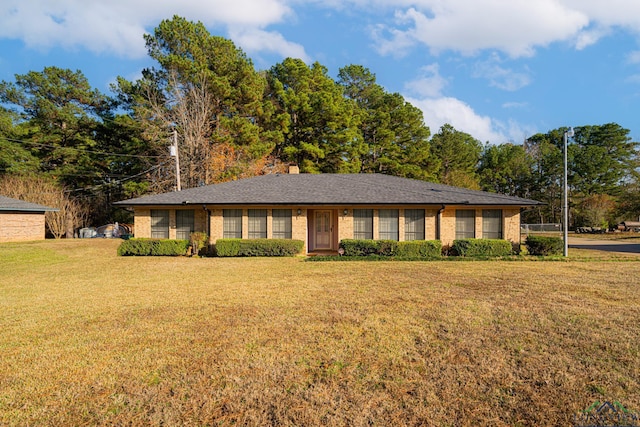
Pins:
x: 605, y: 245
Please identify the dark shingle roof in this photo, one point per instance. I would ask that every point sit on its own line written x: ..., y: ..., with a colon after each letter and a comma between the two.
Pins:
x: 328, y: 189
x: 9, y: 204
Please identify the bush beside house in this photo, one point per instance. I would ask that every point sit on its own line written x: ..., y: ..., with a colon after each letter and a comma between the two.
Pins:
x: 409, y: 249
x: 425, y: 249
x: 481, y: 248
x: 153, y: 247
x: 544, y: 245
x: 258, y: 247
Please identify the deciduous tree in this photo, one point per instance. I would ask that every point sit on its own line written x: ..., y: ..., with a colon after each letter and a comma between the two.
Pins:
x: 45, y: 191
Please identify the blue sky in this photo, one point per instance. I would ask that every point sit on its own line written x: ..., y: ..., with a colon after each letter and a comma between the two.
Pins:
x: 500, y: 70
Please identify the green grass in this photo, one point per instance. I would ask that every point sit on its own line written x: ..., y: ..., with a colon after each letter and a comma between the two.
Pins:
x: 89, y: 338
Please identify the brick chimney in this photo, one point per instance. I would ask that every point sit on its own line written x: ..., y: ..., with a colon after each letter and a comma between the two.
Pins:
x: 294, y: 169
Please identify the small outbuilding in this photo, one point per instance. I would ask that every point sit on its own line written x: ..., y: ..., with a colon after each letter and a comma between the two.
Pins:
x: 21, y: 221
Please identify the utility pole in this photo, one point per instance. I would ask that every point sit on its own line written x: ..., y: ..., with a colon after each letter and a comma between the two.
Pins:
x: 569, y: 133
x: 175, y: 153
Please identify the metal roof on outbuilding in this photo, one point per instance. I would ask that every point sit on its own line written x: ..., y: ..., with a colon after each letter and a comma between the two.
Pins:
x: 328, y: 189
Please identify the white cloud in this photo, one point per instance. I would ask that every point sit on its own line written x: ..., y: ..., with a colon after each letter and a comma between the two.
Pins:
x: 442, y: 110
x: 590, y: 37
x: 635, y: 78
x: 609, y: 13
x: 514, y: 104
x: 634, y: 57
x: 430, y: 84
x: 516, y: 27
x: 117, y: 26
x: 257, y: 40
x: 500, y: 77
x: 397, y: 45
x: 438, y: 111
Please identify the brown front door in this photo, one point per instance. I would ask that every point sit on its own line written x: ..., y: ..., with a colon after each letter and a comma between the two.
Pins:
x: 323, y: 229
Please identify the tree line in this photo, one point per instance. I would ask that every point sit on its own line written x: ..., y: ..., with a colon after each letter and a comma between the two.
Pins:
x: 233, y: 121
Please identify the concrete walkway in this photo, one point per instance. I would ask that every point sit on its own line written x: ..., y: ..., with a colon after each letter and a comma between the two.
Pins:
x: 620, y: 246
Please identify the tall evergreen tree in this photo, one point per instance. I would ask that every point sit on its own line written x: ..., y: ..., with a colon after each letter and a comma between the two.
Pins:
x: 395, y: 138
x: 459, y: 155
x: 320, y: 125
x: 16, y: 157
x: 603, y: 158
x: 506, y: 169
x: 208, y: 90
x: 63, y: 112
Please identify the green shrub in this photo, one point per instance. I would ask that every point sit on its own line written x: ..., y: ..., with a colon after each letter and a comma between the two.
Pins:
x: 167, y: 247
x: 544, y: 245
x: 482, y: 247
x: 362, y: 247
x: 199, y: 243
x: 153, y: 247
x: 258, y: 247
x: 134, y: 247
x: 359, y: 247
x: 227, y: 247
x: 387, y: 248
x: 420, y: 249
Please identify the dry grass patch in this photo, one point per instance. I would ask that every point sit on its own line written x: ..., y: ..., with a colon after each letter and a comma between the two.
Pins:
x: 90, y: 338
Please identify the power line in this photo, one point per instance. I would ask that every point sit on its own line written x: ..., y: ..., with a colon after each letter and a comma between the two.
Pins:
x: 104, y: 153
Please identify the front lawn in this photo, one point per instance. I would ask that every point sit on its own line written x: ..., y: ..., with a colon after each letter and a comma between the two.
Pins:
x: 90, y: 338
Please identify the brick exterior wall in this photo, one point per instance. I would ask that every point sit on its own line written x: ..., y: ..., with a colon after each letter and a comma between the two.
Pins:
x: 142, y: 222
x: 21, y: 226
x: 511, y: 225
x: 299, y: 227
x: 431, y: 224
x: 344, y: 223
x: 216, y: 225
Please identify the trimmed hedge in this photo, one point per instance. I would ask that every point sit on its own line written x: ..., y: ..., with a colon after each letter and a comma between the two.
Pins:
x: 420, y: 249
x: 257, y: 247
x: 544, y: 245
x: 153, y: 247
x: 481, y: 247
x: 386, y: 248
x: 359, y: 247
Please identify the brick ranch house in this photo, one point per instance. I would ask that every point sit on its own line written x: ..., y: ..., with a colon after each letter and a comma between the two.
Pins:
x: 21, y: 221
x: 323, y: 209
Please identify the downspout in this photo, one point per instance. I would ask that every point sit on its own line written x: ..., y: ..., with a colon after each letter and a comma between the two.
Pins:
x: 208, y: 225
x: 439, y: 222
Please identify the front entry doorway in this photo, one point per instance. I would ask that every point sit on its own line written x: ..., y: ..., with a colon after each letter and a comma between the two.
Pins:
x: 323, y: 230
